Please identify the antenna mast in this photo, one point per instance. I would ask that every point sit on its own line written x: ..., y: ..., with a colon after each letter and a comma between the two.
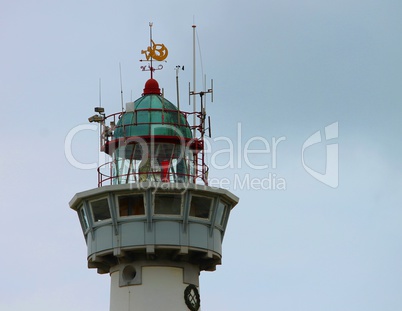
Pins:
x: 202, y: 93
x: 194, y: 86
x: 121, y: 88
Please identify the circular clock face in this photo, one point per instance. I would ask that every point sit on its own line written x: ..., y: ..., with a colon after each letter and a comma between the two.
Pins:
x: 192, y: 297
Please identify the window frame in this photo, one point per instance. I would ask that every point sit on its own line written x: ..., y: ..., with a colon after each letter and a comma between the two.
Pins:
x: 95, y: 222
x: 84, y: 218
x: 225, y: 213
x: 211, y: 207
x: 131, y: 195
x: 155, y: 194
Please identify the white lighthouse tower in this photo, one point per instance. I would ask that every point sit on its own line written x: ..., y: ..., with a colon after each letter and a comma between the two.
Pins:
x: 153, y: 223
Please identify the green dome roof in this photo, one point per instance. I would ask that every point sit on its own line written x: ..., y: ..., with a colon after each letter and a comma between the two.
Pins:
x: 153, y: 115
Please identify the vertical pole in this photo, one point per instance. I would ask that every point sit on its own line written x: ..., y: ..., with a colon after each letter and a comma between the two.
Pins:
x: 194, y: 87
x: 177, y: 87
x: 121, y: 89
x: 150, y: 45
x: 177, y: 94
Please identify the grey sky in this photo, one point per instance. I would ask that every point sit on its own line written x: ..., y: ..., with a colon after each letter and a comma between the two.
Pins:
x: 281, y: 69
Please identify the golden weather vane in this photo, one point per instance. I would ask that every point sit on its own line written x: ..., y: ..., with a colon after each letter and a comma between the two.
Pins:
x: 155, y: 51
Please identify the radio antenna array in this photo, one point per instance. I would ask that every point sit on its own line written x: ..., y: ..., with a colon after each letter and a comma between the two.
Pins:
x: 192, y: 92
x: 203, y: 108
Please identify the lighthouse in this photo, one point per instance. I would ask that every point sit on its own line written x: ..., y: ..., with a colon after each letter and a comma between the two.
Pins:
x: 153, y: 223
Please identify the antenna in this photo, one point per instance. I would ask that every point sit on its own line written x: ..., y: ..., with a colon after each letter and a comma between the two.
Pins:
x: 209, y: 127
x: 100, y: 92
x: 205, y: 89
x: 121, y: 89
x: 178, y: 67
x: 202, y: 115
x: 212, y: 90
x: 194, y: 86
x: 200, y: 57
x: 203, y: 112
x: 189, y: 93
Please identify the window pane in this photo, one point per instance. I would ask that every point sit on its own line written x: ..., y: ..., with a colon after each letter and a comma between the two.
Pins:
x: 200, y: 207
x: 131, y: 205
x: 142, y: 116
x: 155, y: 116
x: 168, y: 204
x: 221, y: 213
x: 100, y: 209
x: 84, y: 218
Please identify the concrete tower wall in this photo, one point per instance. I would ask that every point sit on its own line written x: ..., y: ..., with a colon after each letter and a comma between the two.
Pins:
x: 160, y: 286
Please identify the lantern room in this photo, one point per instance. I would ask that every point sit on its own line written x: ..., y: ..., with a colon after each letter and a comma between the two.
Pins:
x: 152, y: 141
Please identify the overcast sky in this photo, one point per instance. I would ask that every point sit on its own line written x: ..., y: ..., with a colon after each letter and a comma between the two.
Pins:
x: 282, y: 71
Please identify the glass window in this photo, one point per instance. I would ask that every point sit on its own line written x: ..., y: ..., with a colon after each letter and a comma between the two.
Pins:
x: 131, y: 205
x: 84, y: 218
x: 200, y: 207
x: 100, y: 209
x: 167, y: 204
x: 142, y: 116
x: 155, y: 117
x: 137, y: 130
x: 221, y: 213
